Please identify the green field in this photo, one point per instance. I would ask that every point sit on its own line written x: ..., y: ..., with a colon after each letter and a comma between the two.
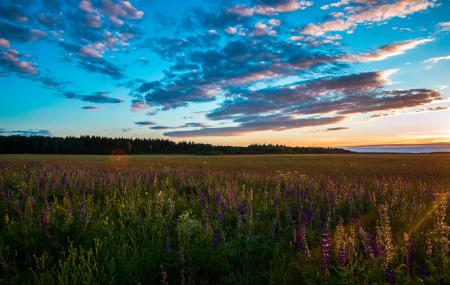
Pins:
x: 255, y: 219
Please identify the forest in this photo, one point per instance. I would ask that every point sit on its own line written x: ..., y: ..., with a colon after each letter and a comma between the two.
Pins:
x: 121, y: 146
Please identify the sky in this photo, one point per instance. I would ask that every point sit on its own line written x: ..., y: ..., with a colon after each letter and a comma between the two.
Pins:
x: 371, y: 74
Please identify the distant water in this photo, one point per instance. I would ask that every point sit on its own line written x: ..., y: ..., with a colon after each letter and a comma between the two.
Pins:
x: 401, y: 148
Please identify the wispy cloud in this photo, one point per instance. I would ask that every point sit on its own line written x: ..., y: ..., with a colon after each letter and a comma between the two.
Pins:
x: 435, y: 60
x: 28, y: 133
x: 367, y: 12
x: 386, y: 51
x: 97, y: 97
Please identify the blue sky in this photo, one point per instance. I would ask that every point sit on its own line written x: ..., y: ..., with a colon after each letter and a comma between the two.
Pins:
x: 328, y: 73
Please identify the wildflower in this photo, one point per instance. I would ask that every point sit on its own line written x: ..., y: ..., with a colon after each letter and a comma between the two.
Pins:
x: 250, y: 207
x: 367, y: 242
x: 441, y: 227
x: 340, y: 243
x: 202, y: 199
x: 67, y: 209
x: 325, y: 245
x: 326, y: 252
x: 45, y: 217
x: 218, y: 198
x: 217, y: 237
x: 390, y: 275
x: 241, y: 212
x: 429, y: 246
x: 384, y: 236
x: 302, y: 243
x: 408, y: 250
x: 168, y: 246
x: 220, y: 217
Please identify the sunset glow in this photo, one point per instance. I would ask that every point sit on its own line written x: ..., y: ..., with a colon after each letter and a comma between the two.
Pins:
x: 372, y: 74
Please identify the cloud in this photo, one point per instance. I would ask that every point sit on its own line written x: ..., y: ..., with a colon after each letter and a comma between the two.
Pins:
x: 137, y: 105
x: 444, y: 26
x: 386, y: 51
x: 276, y: 122
x: 28, y: 133
x: 336, y: 4
x: 121, y: 10
x: 368, y: 12
x: 187, y: 125
x: 86, y: 30
x: 97, y: 97
x: 336, y: 129
x: 144, y: 123
x: 438, y: 108
x: 92, y: 60
x: 18, y: 33
x: 86, y: 6
x: 90, y: 108
x: 13, y: 61
x: 309, y: 97
x: 12, y: 13
x: 403, y: 148
x: 435, y: 60
x: 270, y: 8
x: 159, y: 128
x: 339, y: 97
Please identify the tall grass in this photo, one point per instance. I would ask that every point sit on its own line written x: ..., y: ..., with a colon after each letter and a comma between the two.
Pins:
x: 316, y: 221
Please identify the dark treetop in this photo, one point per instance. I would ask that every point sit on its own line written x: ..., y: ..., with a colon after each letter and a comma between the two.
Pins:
x: 105, y: 145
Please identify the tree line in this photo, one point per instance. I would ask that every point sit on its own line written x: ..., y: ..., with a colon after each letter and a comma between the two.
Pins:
x: 106, y: 145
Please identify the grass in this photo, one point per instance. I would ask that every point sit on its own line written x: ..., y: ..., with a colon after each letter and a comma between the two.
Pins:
x: 283, y: 219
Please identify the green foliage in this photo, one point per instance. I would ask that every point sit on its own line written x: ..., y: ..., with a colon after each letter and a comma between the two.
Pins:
x: 225, y: 220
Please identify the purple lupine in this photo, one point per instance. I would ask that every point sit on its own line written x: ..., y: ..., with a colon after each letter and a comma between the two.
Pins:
x: 241, y: 212
x: 302, y: 245
x: 217, y: 237
x: 217, y: 198
x: 168, y: 246
x: 325, y: 244
x: 367, y: 243
x: 220, y: 217
x: 202, y: 199
x: 44, y: 218
x: 390, y: 275
x: 376, y: 249
x: 43, y: 185
x: 342, y: 256
x: 287, y: 194
x: 205, y: 217
x: 409, y: 254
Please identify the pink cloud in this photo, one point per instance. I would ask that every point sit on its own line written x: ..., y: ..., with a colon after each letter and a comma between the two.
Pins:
x: 369, y: 14
x: 123, y: 9
x: 95, y: 50
x: 269, y: 10
x: 93, y: 21
x: 4, y: 43
x: 336, y: 4
x: 138, y: 105
x: 86, y: 6
x: 12, y: 58
x: 385, y: 51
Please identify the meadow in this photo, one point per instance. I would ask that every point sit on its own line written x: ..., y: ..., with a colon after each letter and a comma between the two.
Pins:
x: 261, y: 219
